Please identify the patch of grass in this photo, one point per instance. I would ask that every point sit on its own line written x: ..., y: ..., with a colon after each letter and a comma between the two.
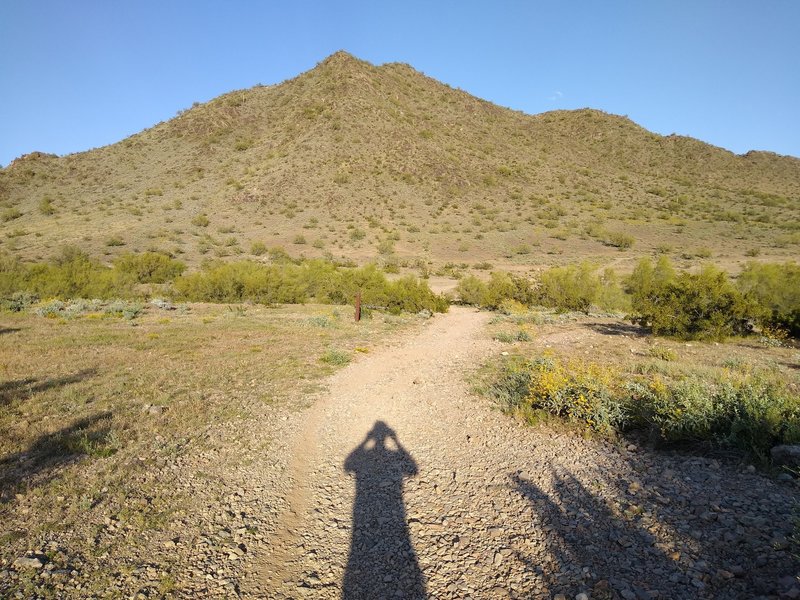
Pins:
x: 335, y: 357
x: 663, y: 353
x: 509, y: 338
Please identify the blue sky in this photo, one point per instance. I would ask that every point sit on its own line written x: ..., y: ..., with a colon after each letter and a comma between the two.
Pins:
x: 80, y: 74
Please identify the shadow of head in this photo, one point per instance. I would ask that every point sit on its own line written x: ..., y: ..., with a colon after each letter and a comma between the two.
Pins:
x: 379, y: 434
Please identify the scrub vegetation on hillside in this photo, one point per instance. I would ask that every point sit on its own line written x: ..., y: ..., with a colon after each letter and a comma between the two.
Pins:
x: 383, y: 163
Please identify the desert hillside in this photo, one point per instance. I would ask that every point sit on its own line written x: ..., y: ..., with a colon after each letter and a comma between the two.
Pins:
x: 383, y: 163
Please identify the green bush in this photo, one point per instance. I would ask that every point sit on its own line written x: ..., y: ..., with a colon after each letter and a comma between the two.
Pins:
x: 507, y: 286
x: 46, y: 206
x: 72, y: 274
x: 335, y: 357
x: 569, y: 288
x: 776, y: 288
x: 320, y: 280
x: 149, y: 267
x: 509, y: 338
x: 619, y: 240
x: 688, y: 306
x: 10, y: 214
x: 751, y: 410
x: 471, y: 290
x: 200, y: 221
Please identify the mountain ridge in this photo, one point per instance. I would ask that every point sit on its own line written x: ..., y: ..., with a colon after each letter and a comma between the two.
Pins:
x: 352, y: 144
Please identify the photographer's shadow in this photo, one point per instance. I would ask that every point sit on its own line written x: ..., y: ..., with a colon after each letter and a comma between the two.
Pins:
x: 382, y: 562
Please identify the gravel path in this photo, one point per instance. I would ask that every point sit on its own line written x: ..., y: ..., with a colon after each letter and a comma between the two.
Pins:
x: 403, y: 485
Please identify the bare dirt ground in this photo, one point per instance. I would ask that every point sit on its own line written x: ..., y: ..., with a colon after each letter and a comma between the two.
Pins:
x: 404, y: 485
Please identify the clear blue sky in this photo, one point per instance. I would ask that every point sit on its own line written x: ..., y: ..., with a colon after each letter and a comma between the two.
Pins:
x: 79, y: 74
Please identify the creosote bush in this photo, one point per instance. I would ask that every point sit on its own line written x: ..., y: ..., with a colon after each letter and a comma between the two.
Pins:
x: 149, y: 267
x: 73, y: 274
x: 570, y: 288
x: 689, y: 306
x: 319, y: 280
x: 776, y: 288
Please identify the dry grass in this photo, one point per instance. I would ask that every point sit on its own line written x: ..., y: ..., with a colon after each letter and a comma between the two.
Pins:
x: 116, y: 435
x: 627, y: 348
x: 349, y: 155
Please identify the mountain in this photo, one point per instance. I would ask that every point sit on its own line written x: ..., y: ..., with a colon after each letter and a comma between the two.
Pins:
x: 381, y: 162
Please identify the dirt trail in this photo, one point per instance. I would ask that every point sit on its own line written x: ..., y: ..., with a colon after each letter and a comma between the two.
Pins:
x: 406, y: 486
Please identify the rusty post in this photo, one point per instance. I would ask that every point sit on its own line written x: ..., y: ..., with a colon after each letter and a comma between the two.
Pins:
x: 358, y: 306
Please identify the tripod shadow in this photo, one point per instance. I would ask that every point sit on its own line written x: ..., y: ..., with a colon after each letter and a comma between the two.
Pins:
x: 382, y: 562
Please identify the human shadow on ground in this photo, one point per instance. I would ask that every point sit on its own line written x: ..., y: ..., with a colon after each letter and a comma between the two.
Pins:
x: 601, y: 544
x: 382, y: 561
x: 47, y: 454
x: 582, y: 531
x: 21, y: 389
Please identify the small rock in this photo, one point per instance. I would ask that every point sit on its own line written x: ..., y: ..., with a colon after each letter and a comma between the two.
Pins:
x: 631, y: 448
x: 582, y: 596
x: 29, y: 562
x: 785, y: 477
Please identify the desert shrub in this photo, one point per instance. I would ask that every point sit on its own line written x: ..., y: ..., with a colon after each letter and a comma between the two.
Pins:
x: 688, y: 306
x: 241, y: 281
x: 10, y: 214
x: 46, y: 206
x: 386, y: 247
x: 287, y: 282
x: 507, y: 286
x: 357, y: 234
x: 663, y: 353
x: 509, y: 338
x: 50, y: 308
x: 585, y: 395
x: 611, y: 294
x: 149, y: 267
x: 512, y: 307
x: 258, y: 248
x: 471, y: 290
x: 278, y: 255
x: 413, y: 295
x: 323, y: 321
x: 335, y: 357
x: 574, y: 287
x: 619, y: 240
x: 200, y: 221
x: 752, y: 412
x: 20, y: 301
x: 776, y: 288
x: 747, y: 410
x: 126, y: 310
x: 72, y: 274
